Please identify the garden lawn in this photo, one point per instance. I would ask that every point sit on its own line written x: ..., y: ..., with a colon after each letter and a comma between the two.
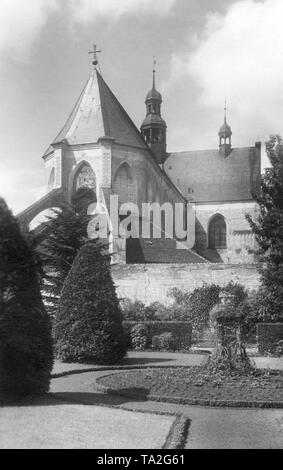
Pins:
x: 69, y: 426
x: 196, y: 384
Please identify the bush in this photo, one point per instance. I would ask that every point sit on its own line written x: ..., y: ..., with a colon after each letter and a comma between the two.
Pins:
x: 135, y: 310
x: 195, y: 307
x: 139, y: 337
x: 181, y: 331
x: 270, y: 338
x: 278, y: 349
x: 88, y: 326
x: 164, y: 342
x: 237, y: 292
x: 26, y: 349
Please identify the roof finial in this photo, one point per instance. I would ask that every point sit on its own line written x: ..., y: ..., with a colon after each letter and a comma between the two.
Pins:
x: 225, y: 111
x: 95, y: 59
x: 154, y: 71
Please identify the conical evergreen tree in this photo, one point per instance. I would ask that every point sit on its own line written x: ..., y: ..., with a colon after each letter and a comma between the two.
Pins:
x: 66, y: 232
x: 268, y: 229
x: 88, y: 325
x: 26, y: 352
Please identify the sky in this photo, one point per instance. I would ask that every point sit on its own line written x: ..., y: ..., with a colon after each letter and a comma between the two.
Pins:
x: 207, y: 51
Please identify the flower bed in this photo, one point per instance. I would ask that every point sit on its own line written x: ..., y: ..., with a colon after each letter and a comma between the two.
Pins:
x: 196, y: 386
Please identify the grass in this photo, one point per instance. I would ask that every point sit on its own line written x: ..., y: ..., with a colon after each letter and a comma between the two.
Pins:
x: 53, y: 425
x: 197, y: 384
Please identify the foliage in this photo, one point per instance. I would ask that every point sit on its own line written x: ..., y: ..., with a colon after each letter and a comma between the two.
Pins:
x: 229, y: 355
x: 66, y: 232
x: 195, y: 307
x: 164, y: 342
x: 137, y: 311
x: 26, y: 350
x: 268, y: 228
x: 139, y: 337
x: 88, y: 325
x: 269, y: 337
x: 181, y: 331
x: 278, y: 349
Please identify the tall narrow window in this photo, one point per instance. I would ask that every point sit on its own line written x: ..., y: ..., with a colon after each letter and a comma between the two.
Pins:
x: 124, y: 185
x: 218, y: 233
x: 51, y: 180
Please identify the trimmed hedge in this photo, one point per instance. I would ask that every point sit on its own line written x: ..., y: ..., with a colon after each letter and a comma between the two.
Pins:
x: 181, y: 331
x: 268, y: 337
x: 26, y: 347
x: 88, y: 324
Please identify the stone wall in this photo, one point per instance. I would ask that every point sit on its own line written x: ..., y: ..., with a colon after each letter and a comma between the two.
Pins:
x: 151, y: 283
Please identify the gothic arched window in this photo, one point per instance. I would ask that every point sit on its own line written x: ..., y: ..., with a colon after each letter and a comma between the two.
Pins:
x: 124, y: 185
x: 218, y: 233
x: 51, y: 180
x: 85, y: 178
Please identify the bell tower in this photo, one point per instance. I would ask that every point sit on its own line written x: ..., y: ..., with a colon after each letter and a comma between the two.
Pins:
x: 225, y: 134
x: 154, y: 127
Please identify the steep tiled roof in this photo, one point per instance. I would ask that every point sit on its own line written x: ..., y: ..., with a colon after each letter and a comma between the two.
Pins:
x: 98, y: 113
x: 207, y: 176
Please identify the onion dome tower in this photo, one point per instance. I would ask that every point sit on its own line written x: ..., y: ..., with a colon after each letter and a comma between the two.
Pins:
x: 154, y: 127
x: 225, y: 134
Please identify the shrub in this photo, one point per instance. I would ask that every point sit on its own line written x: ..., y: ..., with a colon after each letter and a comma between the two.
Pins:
x: 181, y: 331
x: 164, y: 342
x: 26, y: 350
x: 270, y: 338
x: 278, y: 349
x: 88, y: 326
x: 237, y: 292
x: 135, y: 310
x: 132, y: 310
x: 139, y: 337
x: 195, y: 307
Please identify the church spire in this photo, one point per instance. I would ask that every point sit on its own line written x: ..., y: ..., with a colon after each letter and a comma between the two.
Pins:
x: 154, y: 127
x: 225, y: 134
x: 153, y: 74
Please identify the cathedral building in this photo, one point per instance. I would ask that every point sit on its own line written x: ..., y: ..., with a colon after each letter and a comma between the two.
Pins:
x: 100, y: 148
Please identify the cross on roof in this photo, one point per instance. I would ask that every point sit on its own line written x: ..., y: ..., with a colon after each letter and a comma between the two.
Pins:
x: 95, y: 52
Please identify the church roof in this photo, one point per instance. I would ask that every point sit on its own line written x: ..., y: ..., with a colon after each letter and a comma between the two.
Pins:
x: 153, y: 95
x: 225, y: 129
x: 96, y: 114
x: 205, y: 176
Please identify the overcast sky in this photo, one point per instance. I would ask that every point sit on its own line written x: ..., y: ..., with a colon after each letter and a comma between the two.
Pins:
x: 206, y: 51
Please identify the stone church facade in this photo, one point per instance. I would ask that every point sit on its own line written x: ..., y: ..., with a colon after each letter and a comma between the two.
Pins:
x: 100, y: 148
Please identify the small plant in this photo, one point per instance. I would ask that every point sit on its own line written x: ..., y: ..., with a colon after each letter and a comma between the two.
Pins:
x: 164, y: 342
x: 139, y: 337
